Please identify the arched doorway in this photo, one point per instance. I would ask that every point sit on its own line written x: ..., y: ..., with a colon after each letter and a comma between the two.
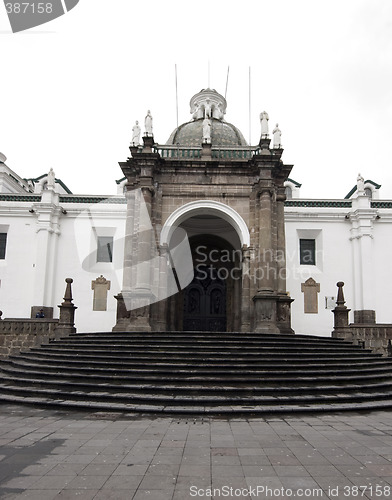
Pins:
x: 217, y: 235
x: 212, y: 301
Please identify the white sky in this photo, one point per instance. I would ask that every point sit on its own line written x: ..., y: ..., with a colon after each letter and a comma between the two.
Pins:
x: 73, y: 88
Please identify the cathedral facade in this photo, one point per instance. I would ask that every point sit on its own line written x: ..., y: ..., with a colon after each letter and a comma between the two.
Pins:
x: 205, y: 233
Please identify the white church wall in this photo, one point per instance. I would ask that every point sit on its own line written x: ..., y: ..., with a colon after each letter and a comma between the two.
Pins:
x: 77, y: 259
x: 382, y: 244
x: 331, y: 232
x: 17, y: 269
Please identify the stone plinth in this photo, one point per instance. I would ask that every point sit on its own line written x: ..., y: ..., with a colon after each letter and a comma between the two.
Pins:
x: 265, y: 312
x: 133, y: 312
x: 365, y: 317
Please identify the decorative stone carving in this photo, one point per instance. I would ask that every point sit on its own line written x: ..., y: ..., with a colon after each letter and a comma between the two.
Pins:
x: 277, y: 134
x: 136, y: 134
x: 148, y: 124
x: 101, y: 286
x: 264, y: 124
x: 310, y: 290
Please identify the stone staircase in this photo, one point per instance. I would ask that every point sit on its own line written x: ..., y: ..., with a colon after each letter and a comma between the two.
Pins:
x: 198, y: 373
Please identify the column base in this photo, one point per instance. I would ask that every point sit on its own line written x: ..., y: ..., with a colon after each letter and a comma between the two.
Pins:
x: 133, y: 312
x: 284, y: 314
x: 265, y: 302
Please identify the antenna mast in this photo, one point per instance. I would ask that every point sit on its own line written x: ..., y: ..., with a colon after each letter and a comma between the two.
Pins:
x: 227, y: 80
x: 175, y: 69
x: 250, y: 102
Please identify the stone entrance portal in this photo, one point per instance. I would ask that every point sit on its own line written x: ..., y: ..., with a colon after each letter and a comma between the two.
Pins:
x: 224, y: 195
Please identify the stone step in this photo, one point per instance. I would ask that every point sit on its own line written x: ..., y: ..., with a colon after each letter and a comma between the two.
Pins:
x: 186, y: 340
x: 239, y: 336
x: 203, y: 351
x: 113, y: 363
x: 160, y: 358
x: 135, y: 395
x: 207, y: 346
x: 116, y: 377
x: 194, y: 410
x: 200, y: 372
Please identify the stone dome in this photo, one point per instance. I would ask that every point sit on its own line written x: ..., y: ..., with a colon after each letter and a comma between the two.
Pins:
x: 207, y: 104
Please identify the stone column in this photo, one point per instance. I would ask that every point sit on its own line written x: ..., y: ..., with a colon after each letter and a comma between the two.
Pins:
x: 265, y: 253
x: 133, y: 307
x: 281, y: 243
x: 161, y: 323
x: 245, y: 299
x: 265, y: 300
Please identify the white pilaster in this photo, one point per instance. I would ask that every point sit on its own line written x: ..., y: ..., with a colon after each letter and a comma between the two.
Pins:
x: 362, y: 218
x: 48, y: 230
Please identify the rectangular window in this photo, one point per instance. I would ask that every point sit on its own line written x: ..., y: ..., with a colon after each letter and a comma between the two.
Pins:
x: 307, y: 252
x: 105, y: 249
x: 3, y: 244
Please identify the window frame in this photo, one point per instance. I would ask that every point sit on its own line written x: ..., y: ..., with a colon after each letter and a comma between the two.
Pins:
x: 312, y: 250
x: 102, y: 256
x: 3, y: 245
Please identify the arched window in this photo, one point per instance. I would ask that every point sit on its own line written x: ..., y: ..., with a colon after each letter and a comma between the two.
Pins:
x: 289, y: 193
x: 368, y: 192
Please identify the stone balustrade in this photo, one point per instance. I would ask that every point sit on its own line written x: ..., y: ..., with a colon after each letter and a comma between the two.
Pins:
x: 375, y: 337
x: 17, y: 335
x: 369, y: 335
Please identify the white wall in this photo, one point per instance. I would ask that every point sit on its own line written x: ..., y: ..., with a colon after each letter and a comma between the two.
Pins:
x: 333, y: 251
x: 17, y: 269
x: 77, y: 259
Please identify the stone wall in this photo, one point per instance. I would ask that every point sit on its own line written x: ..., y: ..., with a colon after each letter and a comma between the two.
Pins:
x: 17, y: 335
x: 376, y: 337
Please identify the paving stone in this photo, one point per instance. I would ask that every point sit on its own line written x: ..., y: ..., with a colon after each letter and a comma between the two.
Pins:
x: 38, y: 468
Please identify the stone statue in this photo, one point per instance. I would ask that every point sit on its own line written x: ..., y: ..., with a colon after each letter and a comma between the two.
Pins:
x: 148, y: 124
x: 51, y: 179
x: 277, y: 137
x: 136, y: 134
x: 196, y: 113
x: 264, y: 124
x: 218, y: 113
x: 360, y: 184
x: 206, y: 130
x: 207, y: 109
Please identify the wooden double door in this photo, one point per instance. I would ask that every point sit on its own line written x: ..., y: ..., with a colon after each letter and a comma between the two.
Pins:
x: 205, y: 302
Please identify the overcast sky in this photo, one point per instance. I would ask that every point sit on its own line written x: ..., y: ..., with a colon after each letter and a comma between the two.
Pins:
x: 73, y: 88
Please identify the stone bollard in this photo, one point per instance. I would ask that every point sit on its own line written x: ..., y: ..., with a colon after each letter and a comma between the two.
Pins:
x: 66, y: 324
x: 340, y: 312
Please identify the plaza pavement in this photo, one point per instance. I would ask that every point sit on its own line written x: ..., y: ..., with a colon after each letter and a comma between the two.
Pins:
x: 47, y: 454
